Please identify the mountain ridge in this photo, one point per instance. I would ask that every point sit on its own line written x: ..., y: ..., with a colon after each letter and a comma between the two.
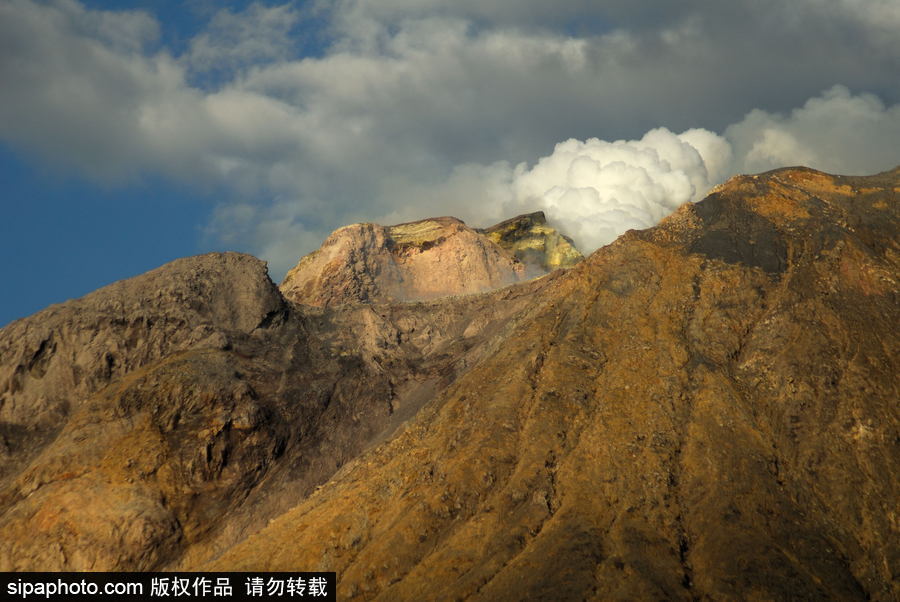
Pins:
x: 703, y: 409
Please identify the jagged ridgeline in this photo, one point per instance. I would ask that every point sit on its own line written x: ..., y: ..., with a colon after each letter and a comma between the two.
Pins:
x: 706, y: 409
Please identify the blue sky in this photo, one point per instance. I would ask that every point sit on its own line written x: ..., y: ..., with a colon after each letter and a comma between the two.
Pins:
x: 62, y: 237
x: 132, y: 133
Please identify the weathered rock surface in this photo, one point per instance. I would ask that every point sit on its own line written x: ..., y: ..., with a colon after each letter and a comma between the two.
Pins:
x: 707, y: 409
x: 159, y: 420
x: 116, y: 411
x: 533, y: 242
x: 418, y: 261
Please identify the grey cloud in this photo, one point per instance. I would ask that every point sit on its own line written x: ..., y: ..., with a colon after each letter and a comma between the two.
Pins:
x: 72, y: 92
x: 125, y: 31
x: 835, y: 132
x: 237, y: 40
x: 75, y: 95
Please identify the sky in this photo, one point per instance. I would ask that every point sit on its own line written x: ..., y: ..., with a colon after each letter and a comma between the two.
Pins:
x: 133, y: 133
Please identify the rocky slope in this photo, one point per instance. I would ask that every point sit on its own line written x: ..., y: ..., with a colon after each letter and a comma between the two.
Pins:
x: 703, y: 410
x: 162, y: 418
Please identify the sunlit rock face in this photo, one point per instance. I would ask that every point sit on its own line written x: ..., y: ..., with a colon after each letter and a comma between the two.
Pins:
x: 409, y: 262
x: 706, y: 409
x: 427, y: 259
x: 533, y: 242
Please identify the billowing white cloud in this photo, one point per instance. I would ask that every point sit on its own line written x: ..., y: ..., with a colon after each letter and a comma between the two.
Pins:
x: 421, y: 108
x: 596, y: 190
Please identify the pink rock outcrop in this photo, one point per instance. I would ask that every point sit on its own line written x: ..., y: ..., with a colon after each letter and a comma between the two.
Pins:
x: 416, y: 261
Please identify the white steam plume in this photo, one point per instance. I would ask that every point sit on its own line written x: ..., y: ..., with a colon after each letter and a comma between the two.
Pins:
x: 596, y: 190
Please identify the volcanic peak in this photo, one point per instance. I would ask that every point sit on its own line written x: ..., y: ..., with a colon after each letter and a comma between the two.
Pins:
x: 426, y: 259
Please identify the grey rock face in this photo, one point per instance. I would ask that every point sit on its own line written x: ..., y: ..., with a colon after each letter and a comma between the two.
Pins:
x: 69, y: 351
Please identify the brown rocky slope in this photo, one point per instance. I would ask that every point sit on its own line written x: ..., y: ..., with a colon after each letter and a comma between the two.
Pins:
x: 707, y: 409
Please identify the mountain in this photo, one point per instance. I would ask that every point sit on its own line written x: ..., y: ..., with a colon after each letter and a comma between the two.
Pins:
x: 704, y: 409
